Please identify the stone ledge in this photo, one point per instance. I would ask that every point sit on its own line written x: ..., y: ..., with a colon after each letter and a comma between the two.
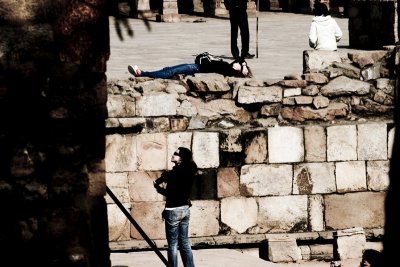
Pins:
x: 198, y: 242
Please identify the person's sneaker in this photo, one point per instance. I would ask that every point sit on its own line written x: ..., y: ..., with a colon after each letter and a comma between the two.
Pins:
x: 248, y: 55
x: 134, y: 70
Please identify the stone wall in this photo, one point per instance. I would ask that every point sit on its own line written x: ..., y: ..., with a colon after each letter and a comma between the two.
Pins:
x: 302, y: 156
x: 53, y: 98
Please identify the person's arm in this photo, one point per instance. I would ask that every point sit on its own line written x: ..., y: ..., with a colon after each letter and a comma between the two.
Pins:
x: 228, y: 4
x: 159, y: 181
x: 312, y: 36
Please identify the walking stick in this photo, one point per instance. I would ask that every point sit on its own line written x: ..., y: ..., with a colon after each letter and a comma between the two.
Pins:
x: 257, y: 8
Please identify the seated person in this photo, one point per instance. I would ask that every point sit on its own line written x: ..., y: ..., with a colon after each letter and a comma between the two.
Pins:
x: 324, y: 31
x: 204, y: 63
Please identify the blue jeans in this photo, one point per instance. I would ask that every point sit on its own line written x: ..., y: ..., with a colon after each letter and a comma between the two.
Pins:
x: 177, y: 231
x: 169, y: 72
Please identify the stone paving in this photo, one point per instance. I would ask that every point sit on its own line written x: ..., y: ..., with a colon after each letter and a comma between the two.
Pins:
x: 215, y: 258
x: 282, y: 38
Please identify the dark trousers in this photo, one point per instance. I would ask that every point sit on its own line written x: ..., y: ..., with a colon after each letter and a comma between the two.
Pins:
x: 239, y: 21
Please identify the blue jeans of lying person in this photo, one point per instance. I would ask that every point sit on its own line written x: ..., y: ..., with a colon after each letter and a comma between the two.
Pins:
x: 177, y: 232
x: 169, y: 72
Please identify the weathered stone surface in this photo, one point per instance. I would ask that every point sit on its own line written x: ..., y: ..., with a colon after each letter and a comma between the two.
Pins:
x: 148, y: 216
x: 378, y: 175
x: 208, y: 83
x: 239, y: 213
x: 314, y: 178
x: 205, y: 148
x: 227, y: 182
x: 204, y: 217
x: 349, y: 243
x: 315, y: 143
x: 283, y: 250
x: 251, y: 94
x: 120, y: 153
x: 317, y: 59
x: 342, y: 143
x: 348, y: 69
x: 351, y: 176
x: 120, y: 106
x: 317, y: 78
x: 291, y: 216
x: 255, y: 147
x: 156, y: 105
x: 320, y: 102
x: 285, y: 144
x: 118, y: 184
x: 151, y: 151
x: 231, y: 140
x: 261, y: 180
x: 345, y: 86
x: 316, y: 212
x: 288, y: 92
x: 339, y: 210
x: 118, y: 224
x: 372, y: 140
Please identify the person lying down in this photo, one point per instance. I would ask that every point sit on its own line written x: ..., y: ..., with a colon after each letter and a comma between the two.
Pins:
x: 204, y: 63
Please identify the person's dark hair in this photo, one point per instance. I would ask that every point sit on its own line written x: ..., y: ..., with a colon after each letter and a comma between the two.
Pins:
x: 374, y: 257
x: 185, y: 154
x: 320, y: 9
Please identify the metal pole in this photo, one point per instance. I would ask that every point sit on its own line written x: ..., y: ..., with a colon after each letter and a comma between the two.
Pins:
x: 140, y: 230
x: 257, y: 9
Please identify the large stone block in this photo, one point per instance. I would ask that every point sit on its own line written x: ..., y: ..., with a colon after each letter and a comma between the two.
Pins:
x: 255, y: 147
x: 314, y: 178
x: 120, y: 153
x: 291, y: 216
x: 239, y: 213
x: 317, y: 59
x: 227, y: 182
x: 156, y: 105
x: 342, y: 143
x: 118, y: 184
x: 205, y: 149
x: 361, y: 209
x: 315, y: 143
x: 372, y: 141
x: 348, y: 243
x: 148, y: 216
x: 266, y: 180
x: 378, y: 175
x: 118, y: 223
x: 351, y: 176
x: 316, y: 212
x: 204, y: 218
x: 152, y: 151
x: 283, y: 249
x: 120, y: 106
x: 285, y: 144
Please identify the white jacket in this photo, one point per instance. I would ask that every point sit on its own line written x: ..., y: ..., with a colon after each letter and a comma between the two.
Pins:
x: 324, y: 33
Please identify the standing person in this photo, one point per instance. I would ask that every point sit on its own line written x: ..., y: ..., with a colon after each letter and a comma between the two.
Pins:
x: 239, y: 21
x: 177, y: 213
x: 324, y: 33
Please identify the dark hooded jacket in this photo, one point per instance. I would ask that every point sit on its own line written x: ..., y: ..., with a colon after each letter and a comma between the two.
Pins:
x: 179, y: 182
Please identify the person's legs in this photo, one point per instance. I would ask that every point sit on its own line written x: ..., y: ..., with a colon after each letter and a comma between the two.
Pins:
x: 184, y: 245
x: 169, y: 72
x: 233, y: 18
x: 244, y: 33
x: 172, y: 232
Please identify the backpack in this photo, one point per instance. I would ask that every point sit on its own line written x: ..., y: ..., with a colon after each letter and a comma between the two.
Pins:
x: 205, y: 58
